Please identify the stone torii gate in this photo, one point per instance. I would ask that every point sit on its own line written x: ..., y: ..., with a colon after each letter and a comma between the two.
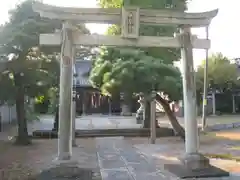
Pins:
x: 129, y: 18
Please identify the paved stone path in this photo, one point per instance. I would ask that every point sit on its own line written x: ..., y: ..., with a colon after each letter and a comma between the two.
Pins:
x: 119, y: 160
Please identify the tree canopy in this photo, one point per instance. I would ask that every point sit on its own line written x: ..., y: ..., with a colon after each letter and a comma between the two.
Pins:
x: 21, y: 55
x: 133, y: 71
x: 222, y: 74
x: 169, y: 55
x: 146, y: 66
x: 154, y: 4
x: 27, y: 70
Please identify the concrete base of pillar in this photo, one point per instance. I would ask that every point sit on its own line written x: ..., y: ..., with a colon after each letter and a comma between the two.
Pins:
x: 195, y: 161
x: 64, y: 157
x: 195, y: 166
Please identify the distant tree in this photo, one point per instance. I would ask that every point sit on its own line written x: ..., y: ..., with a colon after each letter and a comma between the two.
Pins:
x: 27, y: 70
x: 166, y: 55
x: 222, y: 74
x: 133, y: 71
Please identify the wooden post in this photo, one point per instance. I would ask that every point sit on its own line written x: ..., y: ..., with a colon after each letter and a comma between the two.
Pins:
x: 66, y: 74
x: 84, y: 99
x: 213, y: 103
x: 205, y: 88
x: 153, y: 118
x: 74, y: 144
x: 109, y: 105
x: 74, y: 95
x: 233, y: 104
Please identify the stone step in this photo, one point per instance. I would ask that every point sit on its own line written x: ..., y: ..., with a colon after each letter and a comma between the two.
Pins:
x: 129, y: 132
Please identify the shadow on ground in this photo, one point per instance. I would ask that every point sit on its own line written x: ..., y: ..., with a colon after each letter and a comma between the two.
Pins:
x: 21, y: 163
x: 221, y: 147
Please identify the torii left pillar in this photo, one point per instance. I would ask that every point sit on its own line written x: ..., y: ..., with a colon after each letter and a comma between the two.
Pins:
x: 66, y: 77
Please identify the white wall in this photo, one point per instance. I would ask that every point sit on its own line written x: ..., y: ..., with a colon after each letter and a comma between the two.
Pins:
x: 8, y: 114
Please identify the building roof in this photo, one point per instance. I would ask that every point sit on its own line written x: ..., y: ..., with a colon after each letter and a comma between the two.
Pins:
x: 82, y: 69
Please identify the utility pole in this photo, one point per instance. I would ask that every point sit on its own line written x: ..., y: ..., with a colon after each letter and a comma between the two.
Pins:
x: 205, y: 90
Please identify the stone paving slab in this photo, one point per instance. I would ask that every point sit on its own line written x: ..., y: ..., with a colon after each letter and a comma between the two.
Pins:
x: 133, y: 163
x: 111, y: 164
x: 116, y: 174
x: 147, y: 176
x: 142, y: 168
x: 149, y: 152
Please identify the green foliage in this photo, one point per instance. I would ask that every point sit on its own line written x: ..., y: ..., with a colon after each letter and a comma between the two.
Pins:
x: 222, y: 75
x: 53, y: 98
x: 24, y: 65
x: 169, y: 55
x: 41, y: 104
x: 31, y: 115
x: 38, y: 66
x: 39, y: 99
x: 134, y: 72
x: 156, y: 4
x: 110, y: 3
x: 27, y: 70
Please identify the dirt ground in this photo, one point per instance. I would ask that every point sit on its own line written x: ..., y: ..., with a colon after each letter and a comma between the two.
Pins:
x: 19, y: 163
x: 225, y: 143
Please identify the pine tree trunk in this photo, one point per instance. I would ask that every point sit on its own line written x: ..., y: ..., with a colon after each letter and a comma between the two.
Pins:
x: 147, y: 119
x: 178, y: 129
x: 22, y: 138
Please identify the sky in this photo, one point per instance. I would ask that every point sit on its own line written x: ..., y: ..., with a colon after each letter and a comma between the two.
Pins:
x: 223, y: 30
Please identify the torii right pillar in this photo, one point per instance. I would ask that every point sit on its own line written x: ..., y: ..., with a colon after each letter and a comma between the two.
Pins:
x: 193, y: 164
x: 192, y: 155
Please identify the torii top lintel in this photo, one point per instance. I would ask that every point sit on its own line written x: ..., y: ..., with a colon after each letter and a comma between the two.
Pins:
x: 114, y: 15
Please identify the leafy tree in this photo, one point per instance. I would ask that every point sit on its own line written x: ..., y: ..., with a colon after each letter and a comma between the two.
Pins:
x: 27, y: 72
x: 27, y: 69
x: 222, y: 74
x: 166, y: 56
x: 169, y: 55
x: 134, y: 71
x: 223, y: 77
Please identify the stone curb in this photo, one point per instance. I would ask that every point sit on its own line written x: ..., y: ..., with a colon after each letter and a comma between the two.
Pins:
x: 219, y: 127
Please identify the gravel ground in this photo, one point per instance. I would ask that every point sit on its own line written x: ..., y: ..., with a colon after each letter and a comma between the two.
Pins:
x: 20, y: 163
